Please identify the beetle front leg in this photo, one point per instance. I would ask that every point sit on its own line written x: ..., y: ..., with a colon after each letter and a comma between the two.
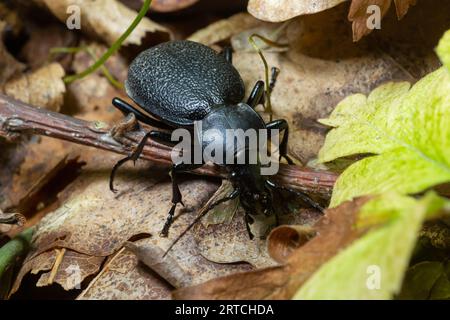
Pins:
x: 176, y: 193
x: 127, y: 108
x: 257, y: 95
x: 281, y: 125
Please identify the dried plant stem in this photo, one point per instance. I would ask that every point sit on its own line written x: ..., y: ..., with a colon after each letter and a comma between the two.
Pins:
x: 17, y: 117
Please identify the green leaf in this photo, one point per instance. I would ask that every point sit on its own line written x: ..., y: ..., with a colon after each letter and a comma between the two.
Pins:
x: 443, y: 49
x: 373, y: 266
x: 420, y: 279
x: 406, y: 131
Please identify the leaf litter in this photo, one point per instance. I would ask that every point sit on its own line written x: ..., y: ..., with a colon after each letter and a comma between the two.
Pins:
x: 89, y: 227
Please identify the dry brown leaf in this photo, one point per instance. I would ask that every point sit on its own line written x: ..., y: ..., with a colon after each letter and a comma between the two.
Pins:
x: 282, y: 10
x: 224, y: 29
x: 153, y: 257
x: 284, y: 240
x: 402, y: 7
x: 70, y: 272
x: 95, y: 222
x: 276, y: 10
x: 334, y: 232
x: 106, y: 19
x: 171, y: 5
x: 126, y: 279
x: 324, y: 65
x: 73, y: 268
x: 312, y: 82
x: 359, y: 16
x: 229, y: 242
x: 41, y: 88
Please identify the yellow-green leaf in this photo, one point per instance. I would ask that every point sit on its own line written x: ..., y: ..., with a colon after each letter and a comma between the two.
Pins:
x: 406, y: 132
x: 374, y: 265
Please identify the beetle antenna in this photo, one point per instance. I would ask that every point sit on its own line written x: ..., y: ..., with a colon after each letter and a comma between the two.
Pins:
x: 203, y: 212
x: 186, y: 231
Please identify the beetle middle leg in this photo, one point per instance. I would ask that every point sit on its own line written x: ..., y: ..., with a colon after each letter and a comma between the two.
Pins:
x: 281, y: 125
x: 176, y: 194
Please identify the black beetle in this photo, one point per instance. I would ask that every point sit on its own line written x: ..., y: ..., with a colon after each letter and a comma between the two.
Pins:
x: 180, y: 82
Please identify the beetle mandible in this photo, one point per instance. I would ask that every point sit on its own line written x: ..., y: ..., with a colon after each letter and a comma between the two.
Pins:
x: 180, y: 82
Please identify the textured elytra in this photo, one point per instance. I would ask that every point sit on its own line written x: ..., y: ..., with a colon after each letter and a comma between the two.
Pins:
x: 179, y: 81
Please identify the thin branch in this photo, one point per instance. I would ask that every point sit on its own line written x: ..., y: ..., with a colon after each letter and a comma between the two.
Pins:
x: 17, y: 117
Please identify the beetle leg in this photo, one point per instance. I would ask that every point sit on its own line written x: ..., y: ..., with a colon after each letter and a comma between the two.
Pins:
x: 176, y: 194
x: 159, y: 136
x: 127, y: 108
x: 303, y: 196
x: 274, y: 72
x: 248, y: 221
x: 133, y: 156
x: 257, y: 95
x: 227, y: 53
x: 281, y: 125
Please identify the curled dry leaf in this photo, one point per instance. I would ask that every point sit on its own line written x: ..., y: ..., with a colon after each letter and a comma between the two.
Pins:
x: 42, y: 88
x: 125, y: 278
x: 283, y: 240
x: 334, y: 231
x: 106, y: 19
